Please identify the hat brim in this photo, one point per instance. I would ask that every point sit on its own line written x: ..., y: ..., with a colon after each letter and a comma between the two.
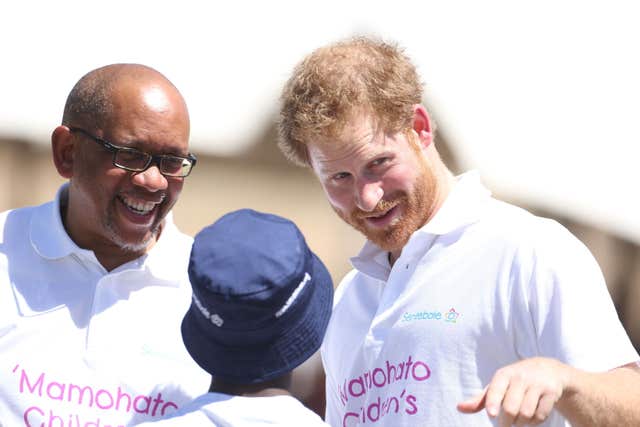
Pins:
x: 247, y: 364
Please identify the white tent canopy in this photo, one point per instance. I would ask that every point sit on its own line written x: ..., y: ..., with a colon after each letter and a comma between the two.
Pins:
x: 541, y: 97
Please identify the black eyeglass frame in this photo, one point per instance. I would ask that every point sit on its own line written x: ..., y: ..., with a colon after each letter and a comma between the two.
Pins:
x: 151, y: 158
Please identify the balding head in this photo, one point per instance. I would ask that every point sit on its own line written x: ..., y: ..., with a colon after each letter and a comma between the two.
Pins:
x: 122, y: 108
x: 90, y: 102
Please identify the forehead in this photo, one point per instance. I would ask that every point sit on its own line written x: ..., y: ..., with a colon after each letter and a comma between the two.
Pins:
x: 138, y: 96
x: 150, y: 114
x: 360, y: 139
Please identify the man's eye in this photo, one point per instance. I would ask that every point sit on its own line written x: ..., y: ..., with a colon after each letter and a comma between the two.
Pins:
x: 380, y: 161
x: 340, y: 176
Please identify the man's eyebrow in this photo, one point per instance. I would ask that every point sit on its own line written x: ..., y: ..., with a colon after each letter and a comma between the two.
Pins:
x: 151, y: 147
x: 327, y: 170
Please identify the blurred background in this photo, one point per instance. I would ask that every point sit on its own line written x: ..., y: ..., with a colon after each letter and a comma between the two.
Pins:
x: 543, y: 98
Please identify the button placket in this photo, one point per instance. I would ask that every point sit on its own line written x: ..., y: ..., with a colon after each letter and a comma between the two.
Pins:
x: 105, y: 296
x: 397, y: 284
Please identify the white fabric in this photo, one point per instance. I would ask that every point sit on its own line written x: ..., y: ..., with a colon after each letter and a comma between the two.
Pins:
x: 80, y: 346
x: 482, y: 285
x: 223, y: 410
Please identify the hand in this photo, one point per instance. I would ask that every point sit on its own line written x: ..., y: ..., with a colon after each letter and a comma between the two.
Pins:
x: 523, y: 393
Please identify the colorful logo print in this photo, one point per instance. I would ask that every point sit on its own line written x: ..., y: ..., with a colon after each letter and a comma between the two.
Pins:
x: 451, y: 316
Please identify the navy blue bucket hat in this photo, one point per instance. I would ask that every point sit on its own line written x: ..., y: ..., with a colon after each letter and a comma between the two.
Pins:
x: 261, y: 299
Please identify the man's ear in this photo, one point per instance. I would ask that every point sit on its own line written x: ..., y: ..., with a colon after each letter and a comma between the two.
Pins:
x: 62, y: 147
x: 422, y: 125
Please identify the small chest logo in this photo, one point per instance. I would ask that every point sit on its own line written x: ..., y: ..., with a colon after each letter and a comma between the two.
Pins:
x: 450, y: 316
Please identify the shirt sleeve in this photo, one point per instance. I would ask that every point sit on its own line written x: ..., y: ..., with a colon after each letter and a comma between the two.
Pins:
x: 569, y: 306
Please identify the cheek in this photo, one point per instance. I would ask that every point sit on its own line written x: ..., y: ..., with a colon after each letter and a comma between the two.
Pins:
x: 173, y: 191
x: 402, y: 179
x: 339, y: 198
x: 100, y: 183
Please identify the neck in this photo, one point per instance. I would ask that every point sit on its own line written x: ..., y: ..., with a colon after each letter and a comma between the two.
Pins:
x: 277, y: 387
x: 445, y: 181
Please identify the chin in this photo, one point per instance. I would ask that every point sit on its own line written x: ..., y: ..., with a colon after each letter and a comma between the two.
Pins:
x: 389, y: 245
x: 393, y: 239
x: 135, y: 247
x: 138, y: 244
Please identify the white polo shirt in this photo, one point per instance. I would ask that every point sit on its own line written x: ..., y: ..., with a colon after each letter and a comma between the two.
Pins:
x: 482, y: 285
x: 80, y: 346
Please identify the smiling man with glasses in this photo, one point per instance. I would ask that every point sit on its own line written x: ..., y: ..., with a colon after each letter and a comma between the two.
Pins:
x: 93, y: 285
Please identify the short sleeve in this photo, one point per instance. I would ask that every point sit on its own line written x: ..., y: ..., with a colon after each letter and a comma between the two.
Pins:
x: 569, y: 306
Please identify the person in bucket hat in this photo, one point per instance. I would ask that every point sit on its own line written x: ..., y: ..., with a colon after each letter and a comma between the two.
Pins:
x: 261, y: 304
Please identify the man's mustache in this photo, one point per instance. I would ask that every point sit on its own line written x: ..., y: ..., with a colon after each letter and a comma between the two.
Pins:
x: 382, y: 207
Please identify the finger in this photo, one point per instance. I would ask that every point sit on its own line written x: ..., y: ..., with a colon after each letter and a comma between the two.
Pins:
x: 512, y: 401
x: 496, y: 392
x: 473, y: 405
x: 528, y: 407
x: 545, y: 406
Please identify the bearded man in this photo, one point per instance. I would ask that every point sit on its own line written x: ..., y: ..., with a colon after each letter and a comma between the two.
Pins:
x: 458, y: 302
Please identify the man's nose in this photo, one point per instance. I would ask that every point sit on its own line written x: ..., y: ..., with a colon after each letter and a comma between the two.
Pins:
x: 368, y: 194
x: 151, y: 179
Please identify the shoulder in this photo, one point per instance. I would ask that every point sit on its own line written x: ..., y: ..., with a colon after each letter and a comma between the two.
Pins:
x: 518, y: 228
x: 16, y: 214
x: 521, y: 244
x: 542, y: 252
x: 15, y: 222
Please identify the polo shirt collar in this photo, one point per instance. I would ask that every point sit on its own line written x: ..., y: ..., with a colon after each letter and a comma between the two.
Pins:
x: 463, y: 206
x: 46, y: 230
x: 51, y: 241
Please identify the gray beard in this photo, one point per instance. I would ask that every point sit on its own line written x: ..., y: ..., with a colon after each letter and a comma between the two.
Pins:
x: 133, y: 247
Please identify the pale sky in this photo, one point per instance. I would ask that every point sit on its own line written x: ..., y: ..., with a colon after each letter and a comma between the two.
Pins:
x: 541, y: 97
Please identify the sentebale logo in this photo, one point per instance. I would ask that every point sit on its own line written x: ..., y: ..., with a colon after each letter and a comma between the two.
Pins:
x: 450, y: 316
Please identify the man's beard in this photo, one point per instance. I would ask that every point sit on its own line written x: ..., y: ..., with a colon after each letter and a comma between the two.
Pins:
x: 417, y: 208
x: 139, y: 246
x: 136, y: 246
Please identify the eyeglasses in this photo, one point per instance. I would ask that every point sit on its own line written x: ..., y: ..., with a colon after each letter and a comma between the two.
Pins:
x: 134, y: 160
